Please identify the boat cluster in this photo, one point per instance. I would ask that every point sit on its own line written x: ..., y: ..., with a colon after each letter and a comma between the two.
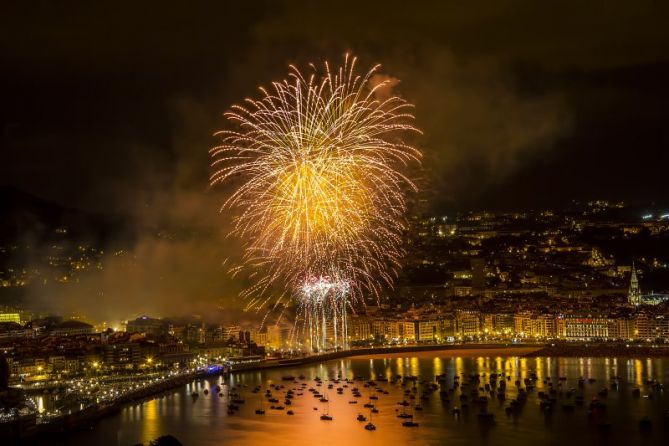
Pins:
x: 468, y: 392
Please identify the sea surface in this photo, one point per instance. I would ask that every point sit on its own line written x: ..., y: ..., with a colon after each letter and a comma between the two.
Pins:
x: 204, y: 420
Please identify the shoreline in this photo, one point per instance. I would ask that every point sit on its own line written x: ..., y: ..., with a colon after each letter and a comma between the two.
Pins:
x: 520, y: 351
x: 600, y: 351
x: 27, y: 430
x: 378, y: 351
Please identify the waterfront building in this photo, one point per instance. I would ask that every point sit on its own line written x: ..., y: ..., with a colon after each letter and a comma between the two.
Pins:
x: 487, y: 323
x: 429, y: 330
x: 522, y: 323
x: 407, y: 330
x: 621, y: 328
x: 448, y: 327
x: 359, y: 328
x: 468, y: 322
x: 503, y: 323
x: 543, y: 326
x: 385, y: 328
x: 642, y: 326
x: 582, y: 328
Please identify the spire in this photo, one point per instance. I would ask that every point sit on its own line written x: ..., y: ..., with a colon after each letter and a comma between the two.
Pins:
x: 634, y: 294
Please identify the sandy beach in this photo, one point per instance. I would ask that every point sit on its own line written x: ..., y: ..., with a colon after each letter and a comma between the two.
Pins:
x: 456, y: 352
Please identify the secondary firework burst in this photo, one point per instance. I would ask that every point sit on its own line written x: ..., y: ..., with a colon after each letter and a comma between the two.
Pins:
x: 323, y: 303
x: 318, y: 167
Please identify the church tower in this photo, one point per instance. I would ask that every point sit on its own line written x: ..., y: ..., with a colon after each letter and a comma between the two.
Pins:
x: 634, y: 295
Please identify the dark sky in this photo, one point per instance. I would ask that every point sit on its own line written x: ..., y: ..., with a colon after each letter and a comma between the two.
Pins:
x: 104, y: 105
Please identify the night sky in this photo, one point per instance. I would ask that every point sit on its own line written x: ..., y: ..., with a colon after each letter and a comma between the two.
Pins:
x: 106, y: 106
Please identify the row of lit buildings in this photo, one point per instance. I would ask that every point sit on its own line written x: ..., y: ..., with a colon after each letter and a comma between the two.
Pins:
x: 472, y: 324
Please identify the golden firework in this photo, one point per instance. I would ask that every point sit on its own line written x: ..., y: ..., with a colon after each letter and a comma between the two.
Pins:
x: 317, y: 166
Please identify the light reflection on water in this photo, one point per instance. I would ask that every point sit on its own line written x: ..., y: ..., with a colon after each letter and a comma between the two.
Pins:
x: 204, y: 421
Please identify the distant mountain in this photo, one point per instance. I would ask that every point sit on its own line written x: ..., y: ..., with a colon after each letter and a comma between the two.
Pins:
x: 24, y: 216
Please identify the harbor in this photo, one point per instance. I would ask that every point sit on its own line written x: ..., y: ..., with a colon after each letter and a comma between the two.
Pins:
x: 458, y: 396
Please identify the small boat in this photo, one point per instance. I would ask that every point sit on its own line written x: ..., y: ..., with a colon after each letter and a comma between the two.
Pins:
x: 361, y: 417
x: 645, y: 424
x: 260, y: 412
x: 568, y: 408
x: 370, y: 426
x: 486, y: 417
x: 409, y: 423
x: 290, y: 412
x: 326, y: 417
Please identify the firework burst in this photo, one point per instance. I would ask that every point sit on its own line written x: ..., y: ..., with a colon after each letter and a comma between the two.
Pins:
x: 317, y: 167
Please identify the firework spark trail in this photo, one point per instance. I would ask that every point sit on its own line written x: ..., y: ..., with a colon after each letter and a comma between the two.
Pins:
x: 317, y: 164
